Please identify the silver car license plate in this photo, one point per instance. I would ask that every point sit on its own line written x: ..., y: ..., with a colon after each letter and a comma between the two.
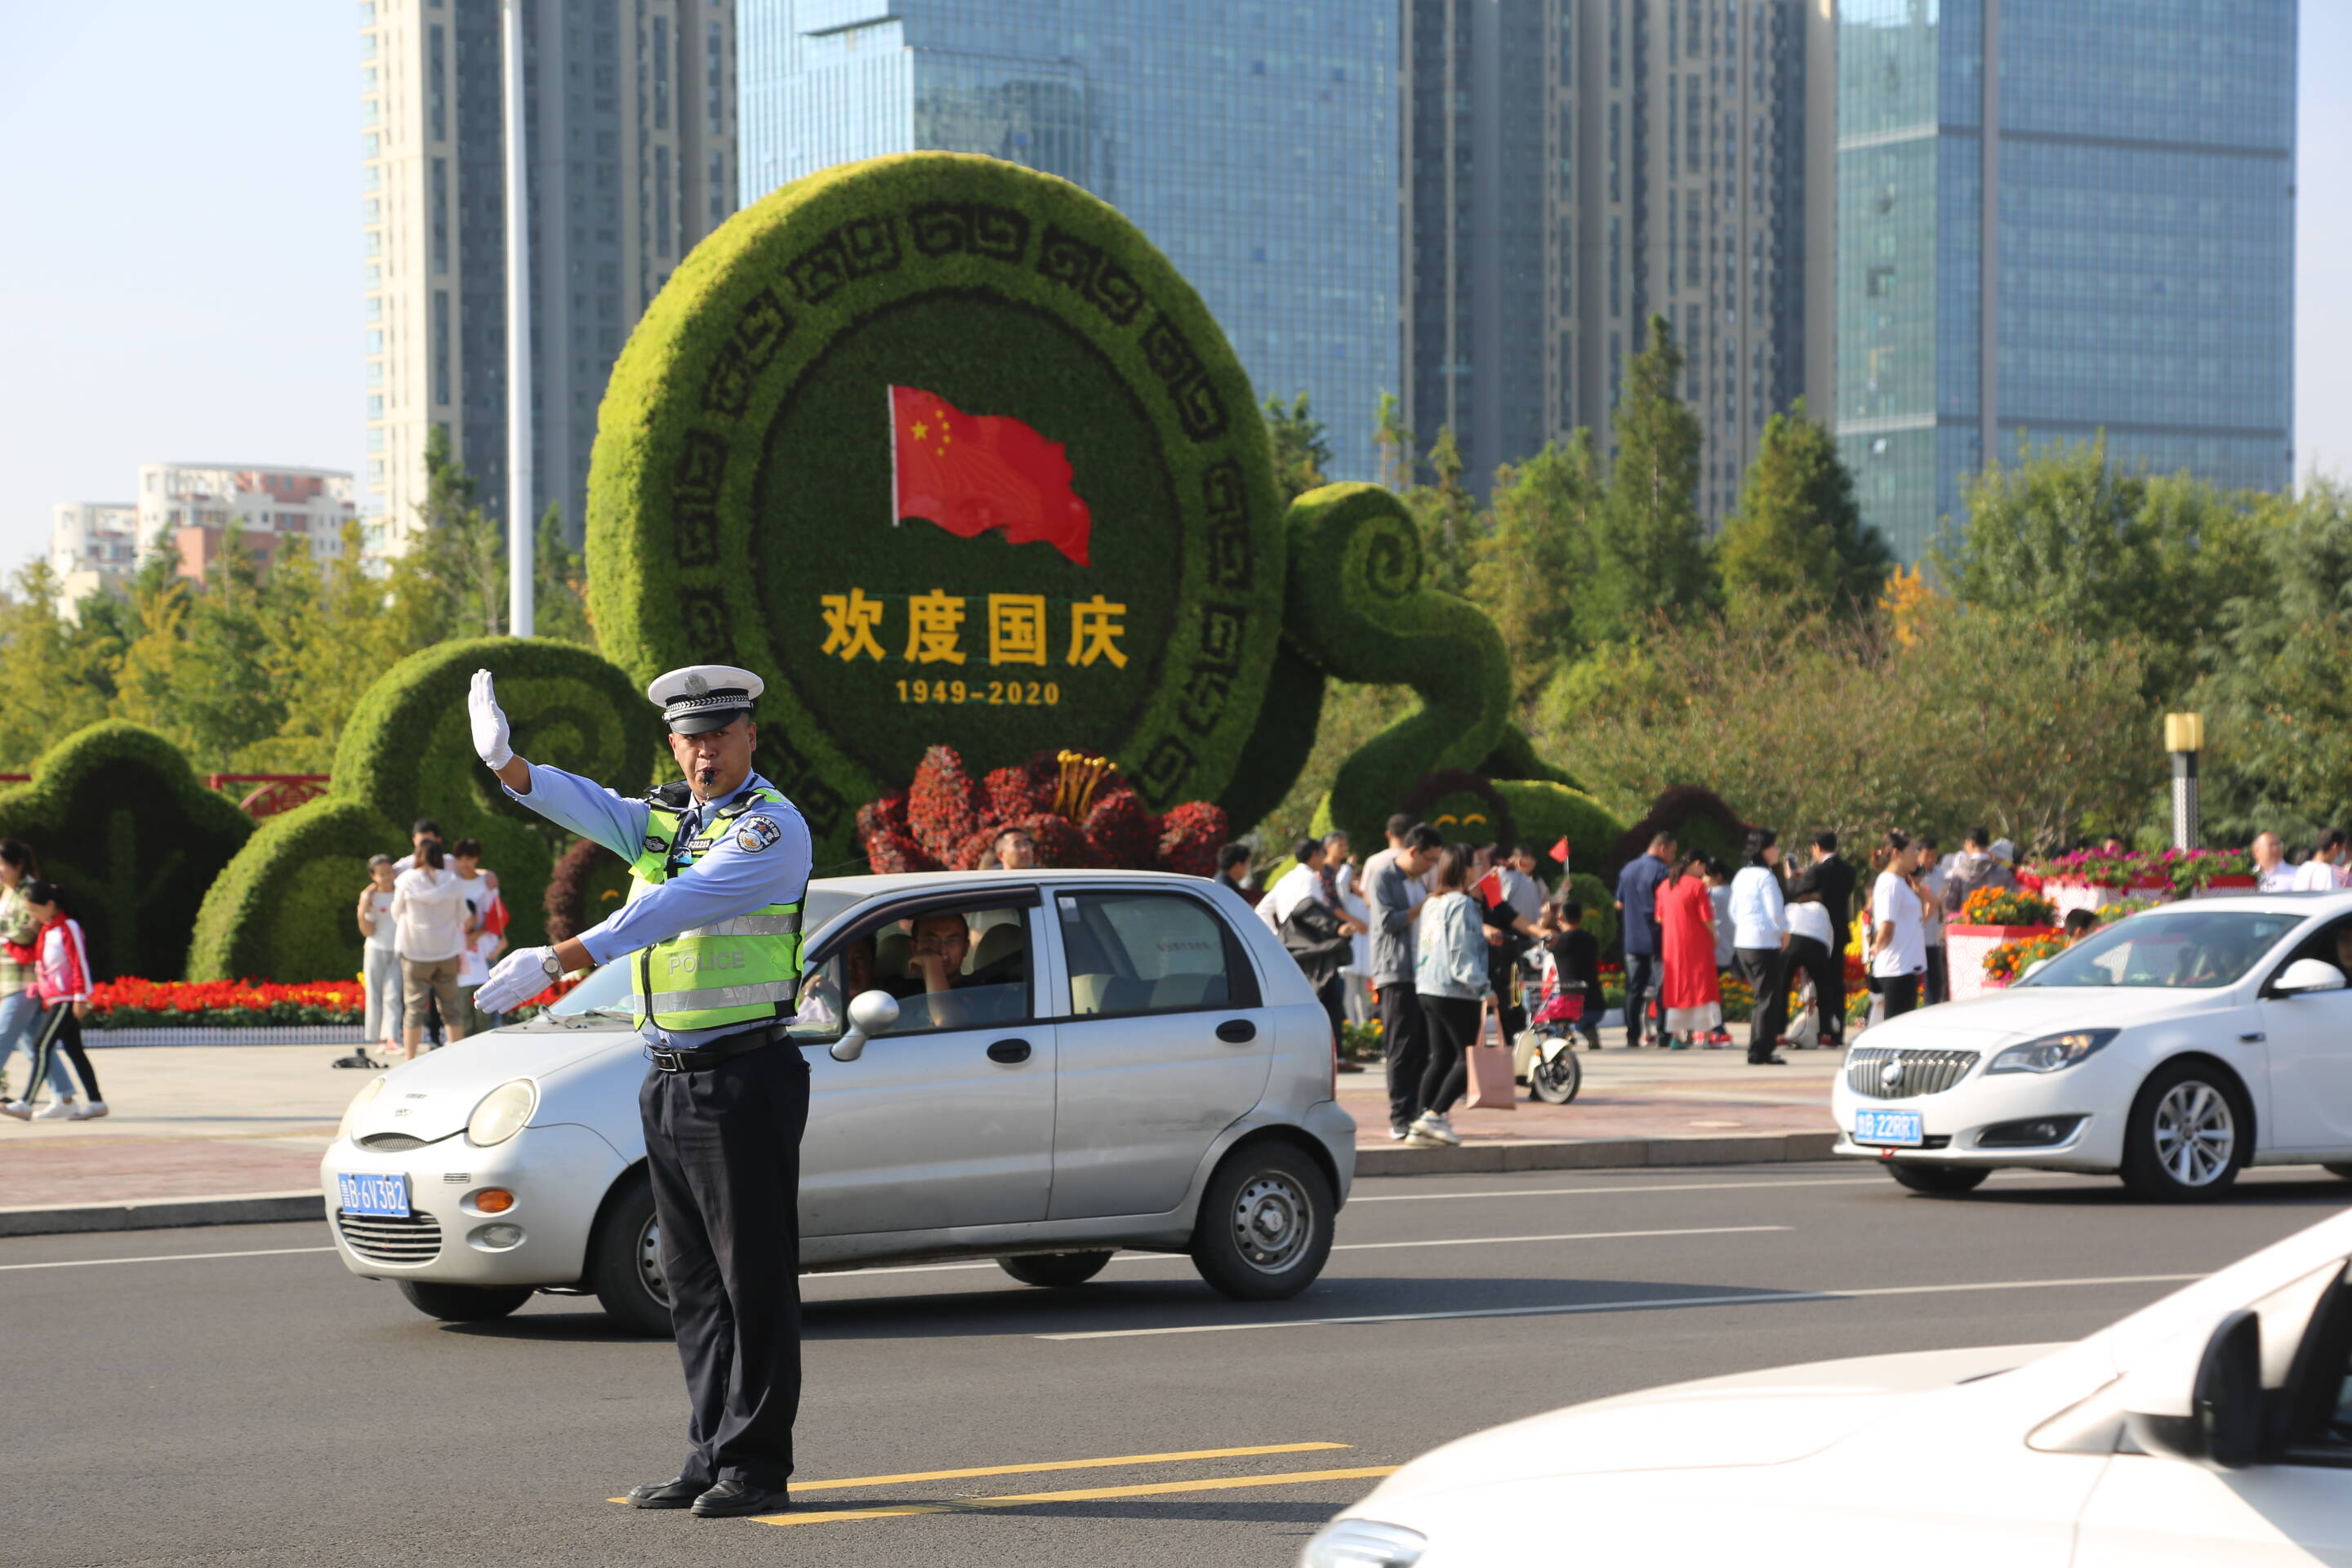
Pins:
x: 385, y: 1197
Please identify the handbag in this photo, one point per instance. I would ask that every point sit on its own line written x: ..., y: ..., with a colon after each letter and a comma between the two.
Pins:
x: 1493, y: 1087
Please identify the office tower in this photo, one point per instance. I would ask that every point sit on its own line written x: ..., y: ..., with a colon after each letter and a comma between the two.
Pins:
x: 1255, y: 145
x: 1572, y: 167
x: 2130, y: 169
x: 631, y: 118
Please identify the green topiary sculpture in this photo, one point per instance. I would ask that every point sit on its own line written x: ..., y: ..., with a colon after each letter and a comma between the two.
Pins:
x: 130, y: 832
x: 407, y: 752
x: 745, y: 504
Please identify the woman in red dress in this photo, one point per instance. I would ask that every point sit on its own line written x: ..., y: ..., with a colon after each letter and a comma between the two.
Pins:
x: 1691, y: 994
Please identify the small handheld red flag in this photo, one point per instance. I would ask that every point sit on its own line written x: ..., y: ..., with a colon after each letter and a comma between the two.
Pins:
x: 1559, y: 851
x: 971, y: 472
x: 1490, y: 889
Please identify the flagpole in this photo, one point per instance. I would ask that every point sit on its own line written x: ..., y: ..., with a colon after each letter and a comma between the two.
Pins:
x: 520, y: 524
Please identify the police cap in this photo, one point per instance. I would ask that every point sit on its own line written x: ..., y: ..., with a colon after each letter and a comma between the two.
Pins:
x: 703, y: 697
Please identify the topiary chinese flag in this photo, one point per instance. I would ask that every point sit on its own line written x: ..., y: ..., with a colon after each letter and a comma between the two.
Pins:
x: 972, y: 472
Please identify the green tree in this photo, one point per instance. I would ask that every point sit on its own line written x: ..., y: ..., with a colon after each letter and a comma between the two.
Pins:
x: 50, y: 685
x: 1448, y: 515
x: 462, y: 551
x: 224, y: 693
x: 1395, y: 445
x: 559, y: 583
x: 2278, y: 711
x: 1530, y: 567
x: 1302, y: 451
x: 2065, y: 537
x: 1649, y: 553
x: 1798, y: 533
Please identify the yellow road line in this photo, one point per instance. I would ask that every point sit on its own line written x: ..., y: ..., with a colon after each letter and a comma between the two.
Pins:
x: 1058, y: 1465
x: 1064, y: 1465
x: 1025, y: 1499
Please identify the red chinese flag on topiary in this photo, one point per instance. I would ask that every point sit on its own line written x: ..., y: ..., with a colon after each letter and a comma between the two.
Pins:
x: 972, y: 472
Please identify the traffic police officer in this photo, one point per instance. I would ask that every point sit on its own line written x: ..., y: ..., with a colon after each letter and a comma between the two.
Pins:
x: 718, y: 866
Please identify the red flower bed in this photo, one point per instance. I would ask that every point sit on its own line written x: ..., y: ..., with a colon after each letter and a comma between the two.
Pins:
x: 135, y: 1004
x: 1084, y: 814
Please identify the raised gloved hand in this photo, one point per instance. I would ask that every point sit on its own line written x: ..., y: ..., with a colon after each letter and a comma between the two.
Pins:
x: 490, y: 732
x: 520, y: 974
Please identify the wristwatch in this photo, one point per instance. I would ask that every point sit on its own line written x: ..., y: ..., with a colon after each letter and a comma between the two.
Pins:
x: 552, y: 966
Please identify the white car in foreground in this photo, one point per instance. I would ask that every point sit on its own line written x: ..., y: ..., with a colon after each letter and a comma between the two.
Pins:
x: 2175, y: 1047
x: 2214, y: 1428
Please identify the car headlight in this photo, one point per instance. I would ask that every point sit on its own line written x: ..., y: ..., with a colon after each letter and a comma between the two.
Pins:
x: 2051, y: 1052
x: 368, y: 1091
x: 1363, y: 1543
x: 501, y: 1113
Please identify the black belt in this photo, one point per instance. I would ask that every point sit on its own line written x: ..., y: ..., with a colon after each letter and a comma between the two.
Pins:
x: 712, y: 1052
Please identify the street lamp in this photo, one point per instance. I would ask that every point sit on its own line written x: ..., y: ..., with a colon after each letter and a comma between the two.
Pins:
x: 2184, y: 737
x: 519, y: 517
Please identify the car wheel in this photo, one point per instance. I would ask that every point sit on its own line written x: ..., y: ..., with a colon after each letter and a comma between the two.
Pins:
x: 1265, y: 1224
x: 1555, y: 1082
x: 625, y: 1266
x: 2188, y: 1136
x: 463, y: 1303
x: 1058, y: 1269
x: 1945, y: 1179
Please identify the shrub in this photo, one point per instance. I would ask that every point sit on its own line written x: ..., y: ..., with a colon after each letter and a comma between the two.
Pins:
x: 282, y: 908
x: 946, y: 822
x: 590, y: 882
x: 743, y: 468
x: 1698, y: 819
x: 1359, y: 609
x: 126, y: 828
x: 2006, y: 907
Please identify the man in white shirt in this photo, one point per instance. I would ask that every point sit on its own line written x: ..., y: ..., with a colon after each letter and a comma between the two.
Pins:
x: 1760, y: 938
x: 1295, y: 886
x: 2272, y: 873
x: 1933, y: 877
x: 2323, y: 873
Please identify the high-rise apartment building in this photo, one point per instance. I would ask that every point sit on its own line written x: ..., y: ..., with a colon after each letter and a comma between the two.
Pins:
x: 630, y: 106
x: 2097, y: 235
x: 1571, y: 167
x: 189, y: 509
x: 93, y: 545
x: 1254, y: 144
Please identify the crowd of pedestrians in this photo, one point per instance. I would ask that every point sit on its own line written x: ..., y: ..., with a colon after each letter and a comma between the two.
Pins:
x: 431, y: 921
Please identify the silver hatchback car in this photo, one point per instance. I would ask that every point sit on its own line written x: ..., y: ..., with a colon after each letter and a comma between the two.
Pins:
x: 1038, y: 1066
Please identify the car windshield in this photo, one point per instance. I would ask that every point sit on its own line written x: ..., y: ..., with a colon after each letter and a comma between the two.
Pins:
x: 606, y: 992
x: 2186, y: 948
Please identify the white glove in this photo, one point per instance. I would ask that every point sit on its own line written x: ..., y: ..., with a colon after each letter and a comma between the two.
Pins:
x: 519, y: 977
x: 489, y: 724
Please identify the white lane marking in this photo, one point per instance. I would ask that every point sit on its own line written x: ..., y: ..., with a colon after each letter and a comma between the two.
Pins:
x: 1342, y: 1246
x: 1612, y: 1191
x: 1563, y: 1309
x: 168, y: 1258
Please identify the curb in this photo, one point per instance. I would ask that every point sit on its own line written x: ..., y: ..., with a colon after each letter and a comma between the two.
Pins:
x: 1597, y: 1153
x: 164, y: 1214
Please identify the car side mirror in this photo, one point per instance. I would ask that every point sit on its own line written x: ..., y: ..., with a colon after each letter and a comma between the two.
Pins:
x: 2308, y: 975
x: 2216, y: 1418
x: 871, y: 1013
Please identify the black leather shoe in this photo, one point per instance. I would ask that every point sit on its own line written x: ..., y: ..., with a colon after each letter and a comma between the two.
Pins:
x: 733, y: 1500
x: 677, y: 1493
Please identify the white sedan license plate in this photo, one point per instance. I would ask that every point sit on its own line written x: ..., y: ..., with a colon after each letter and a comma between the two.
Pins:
x: 1899, y: 1128
x: 382, y: 1196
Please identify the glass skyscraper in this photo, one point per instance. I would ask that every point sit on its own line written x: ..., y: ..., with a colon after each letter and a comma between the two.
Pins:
x: 2129, y: 166
x: 1254, y: 143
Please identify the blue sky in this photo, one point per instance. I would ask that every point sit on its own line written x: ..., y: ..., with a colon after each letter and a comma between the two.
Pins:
x: 181, y: 274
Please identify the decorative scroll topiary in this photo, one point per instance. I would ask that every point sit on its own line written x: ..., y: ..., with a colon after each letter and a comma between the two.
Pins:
x: 407, y: 752
x: 283, y: 909
x: 1697, y: 817
x: 590, y: 883
x: 742, y: 505
x: 1359, y: 609
x: 124, y: 826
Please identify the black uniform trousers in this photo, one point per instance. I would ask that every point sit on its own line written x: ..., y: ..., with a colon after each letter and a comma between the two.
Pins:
x: 723, y: 1148
x: 1766, y: 970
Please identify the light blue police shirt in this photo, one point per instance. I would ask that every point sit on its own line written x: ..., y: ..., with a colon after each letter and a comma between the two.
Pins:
x: 730, y: 879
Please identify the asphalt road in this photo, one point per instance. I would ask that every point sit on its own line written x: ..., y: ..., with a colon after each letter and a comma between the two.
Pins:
x: 232, y: 1397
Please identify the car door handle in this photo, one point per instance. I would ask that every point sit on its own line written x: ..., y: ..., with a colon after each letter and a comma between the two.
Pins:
x: 1009, y: 1051
x: 1237, y: 1031
x: 2256, y: 1039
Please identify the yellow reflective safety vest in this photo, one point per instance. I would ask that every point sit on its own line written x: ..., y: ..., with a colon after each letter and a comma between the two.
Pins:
x: 737, y: 970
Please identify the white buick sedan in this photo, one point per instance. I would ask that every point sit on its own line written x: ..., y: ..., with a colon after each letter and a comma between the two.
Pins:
x: 2175, y: 1047
x: 2212, y: 1429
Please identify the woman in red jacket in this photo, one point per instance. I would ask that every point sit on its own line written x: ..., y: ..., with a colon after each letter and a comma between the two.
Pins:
x: 1692, y: 996
x: 60, y: 961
